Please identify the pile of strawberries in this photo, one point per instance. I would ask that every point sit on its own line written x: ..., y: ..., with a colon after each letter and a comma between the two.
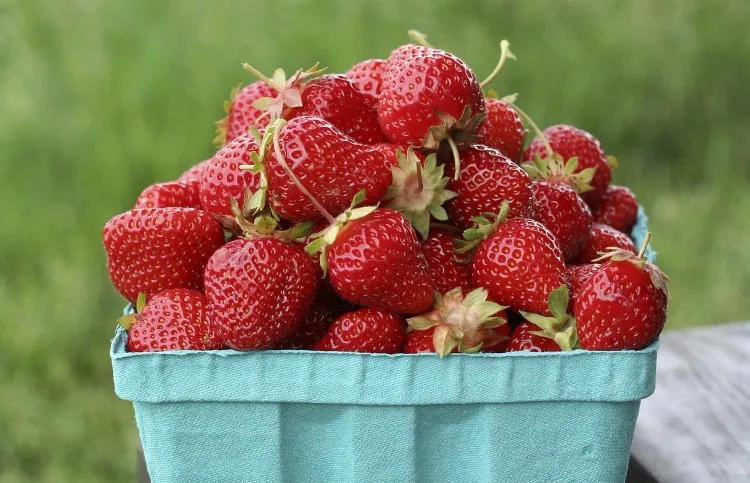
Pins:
x: 389, y: 209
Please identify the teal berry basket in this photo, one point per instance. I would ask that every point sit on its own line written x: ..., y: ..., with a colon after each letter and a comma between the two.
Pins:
x: 301, y: 416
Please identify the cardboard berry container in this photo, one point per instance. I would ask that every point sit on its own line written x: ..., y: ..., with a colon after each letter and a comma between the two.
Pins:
x: 301, y: 416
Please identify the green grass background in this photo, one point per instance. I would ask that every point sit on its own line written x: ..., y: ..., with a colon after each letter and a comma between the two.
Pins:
x: 100, y: 98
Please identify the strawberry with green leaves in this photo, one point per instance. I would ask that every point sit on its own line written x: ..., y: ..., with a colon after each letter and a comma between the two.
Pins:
x: 260, y: 286
x: 601, y: 239
x: 528, y: 337
x: 153, y: 249
x: 458, y: 323
x: 373, y: 258
x: 364, y: 330
x: 518, y: 261
x: 315, y: 168
x: 558, y: 327
x: 623, y: 306
x: 242, y: 113
x: 175, y: 319
x: 486, y: 180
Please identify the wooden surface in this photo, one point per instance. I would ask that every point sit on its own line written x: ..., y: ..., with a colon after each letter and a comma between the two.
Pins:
x: 696, y: 427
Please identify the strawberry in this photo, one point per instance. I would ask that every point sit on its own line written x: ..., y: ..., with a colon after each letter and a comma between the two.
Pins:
x: 154, y: 249
x: 569, y: 142
x: 559, y: 208
x: 331, y: 166
x: 170, y: 194
x: 577, y: 276
x: 429, y: 96
x: 391, y: 153
x: 623, y: 306
x: 223, y: 180
x: 259, y: 291
x: 486, y: 179
x: 368, y: 77
x: 618, y: 209
x: 194, y: 174
x: 518, y: 261
x: 364, y: 330
x: 462, y: 321
x: 603, y: 237
x: 420, y: 341
x: 337, y: 99
x: 526, y: 337
x: 315, y: 325
x: 446, y: 271
x: 241, y: 113
x: 175, y: 319
x: 502, y: 129
x: 374, y: 259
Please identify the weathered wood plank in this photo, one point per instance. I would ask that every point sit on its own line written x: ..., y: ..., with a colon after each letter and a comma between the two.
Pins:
x: 696, y: 426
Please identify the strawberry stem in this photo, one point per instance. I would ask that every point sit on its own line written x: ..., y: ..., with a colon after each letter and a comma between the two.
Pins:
x: 420, y: 181
x: 419, y: 38
x: 536, y: 129
x: 505, y: 53
x: 456, y: 157
x: 280, y: 123
x: 262, y: 77
x: 645, y: 245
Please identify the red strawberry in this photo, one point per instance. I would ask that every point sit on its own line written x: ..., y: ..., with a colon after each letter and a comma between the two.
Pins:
x: 240, y: 111
x: 375, y: 260
x: 223, y: 179
x: 603, y: 237
x: 618, y: 209
x: 420, y: 341
x: 330, y: 165
x: 559, y: 208
x: 154, y: 249
x: 259, y: 291
x: 502, y: 129
x: 460, y: 320
x: 569, y: 142
x: 428, y: 96
x: 170, y: 194
x: 486, y: 179
x: 337, y: 99
x: 623, y: 306
x: 194, y: 174
x: 520, y: 262
x: 364, y: 330
x: 315, y: 325
x: 447, y: 273
x: 175, y: 319
x: 577, y: 276
x: 368, y: 77
x: 524, y: 340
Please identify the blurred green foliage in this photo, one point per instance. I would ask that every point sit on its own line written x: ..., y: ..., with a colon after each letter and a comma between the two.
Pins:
x: 99, y: 99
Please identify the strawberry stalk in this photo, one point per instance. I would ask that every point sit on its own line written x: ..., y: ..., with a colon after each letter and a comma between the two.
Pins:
x: 278, y: 125
x: 456, y: 157
x: 536, y: 129
x: 505, y: 53
x: 419, y: 38
x: 645, y: 245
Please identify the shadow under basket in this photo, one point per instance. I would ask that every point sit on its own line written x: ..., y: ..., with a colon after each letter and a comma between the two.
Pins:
x: 301, y: 416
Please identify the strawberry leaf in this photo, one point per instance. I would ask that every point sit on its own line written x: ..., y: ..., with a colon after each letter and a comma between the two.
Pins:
x: 558, y: 302
x: 140, y: 302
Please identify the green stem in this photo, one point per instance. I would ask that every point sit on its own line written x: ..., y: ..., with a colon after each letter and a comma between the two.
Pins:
x: 645, y: 245
x: 536, y: 129
x: 456, y: 157
x: 262, y: 77
x: 280, y: 123
x: 419, y: 176
x: 505, y: 53
x: 419, y: 38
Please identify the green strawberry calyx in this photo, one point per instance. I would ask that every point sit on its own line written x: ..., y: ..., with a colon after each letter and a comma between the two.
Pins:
x: 222, y: 125
x: 553, y: 168
x: 658, y: 278
x: 127, y: 320
x: 418, y: 192
x: 463, y: 323
x: 290, y: 91
x: 322, y: 239
x: 561, y: 327
x: 486, y: 224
